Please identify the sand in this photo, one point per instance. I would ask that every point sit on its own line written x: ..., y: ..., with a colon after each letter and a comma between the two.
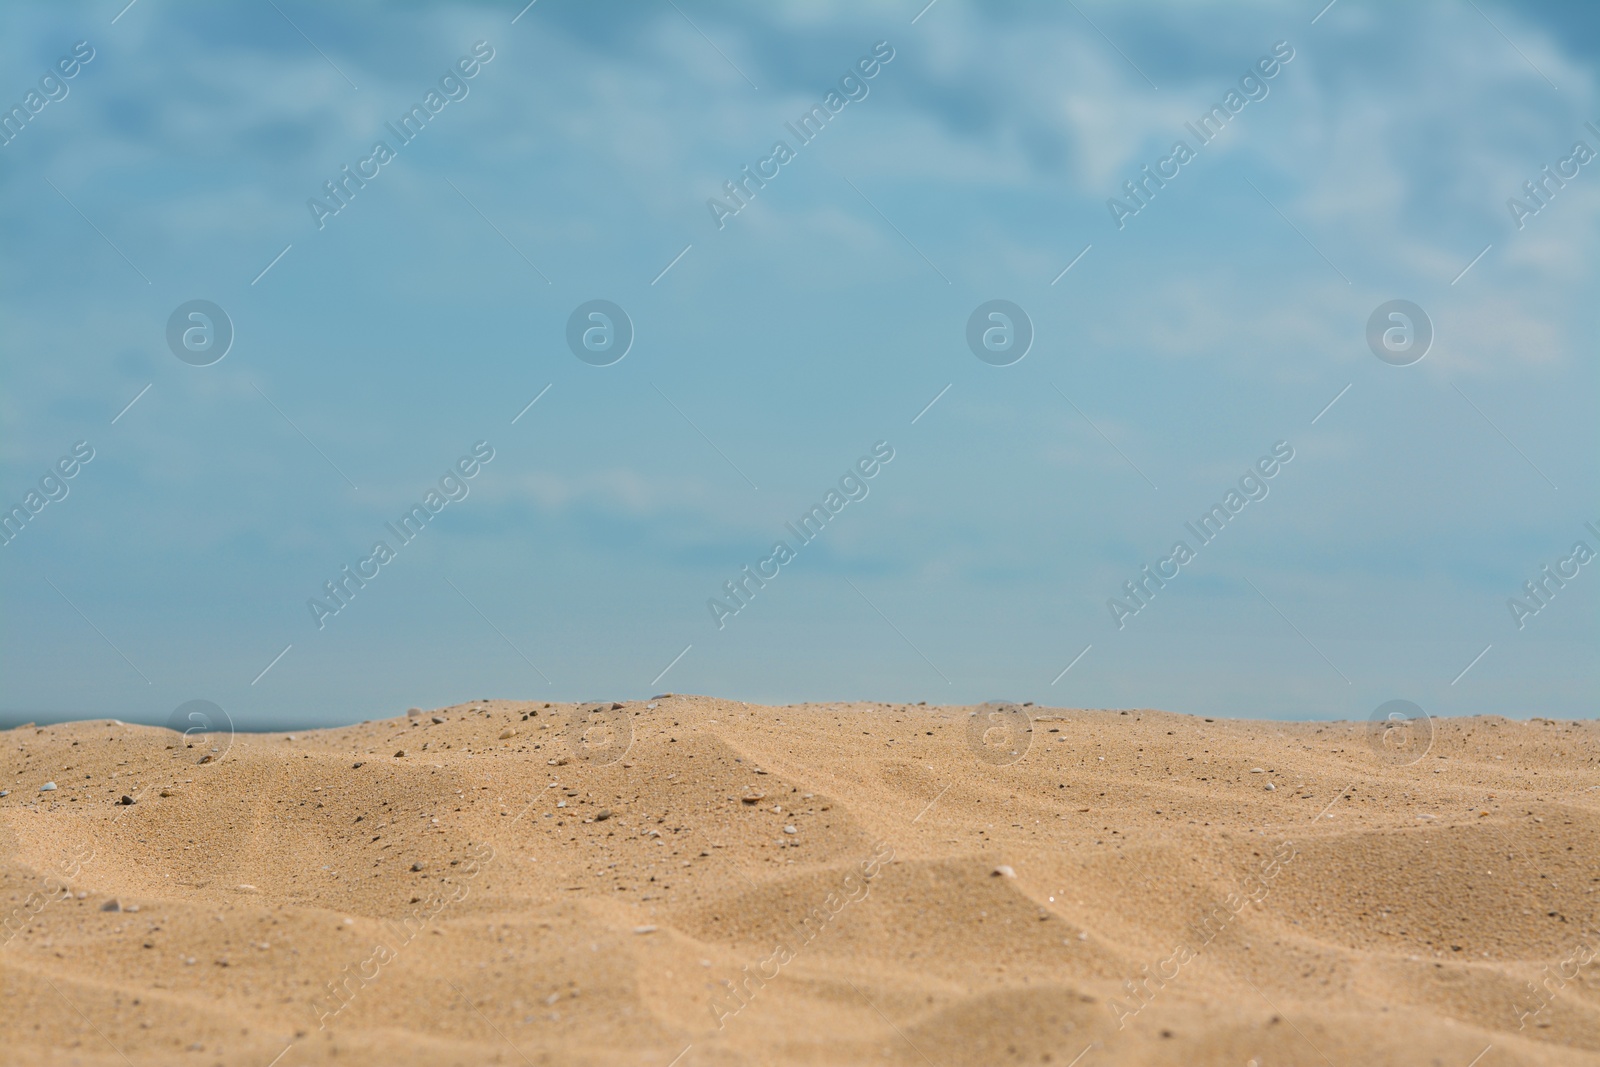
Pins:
x: 819, y: 884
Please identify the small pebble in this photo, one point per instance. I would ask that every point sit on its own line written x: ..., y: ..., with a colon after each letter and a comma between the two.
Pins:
x: 1271, y: 788
x: 413, y: 713
x: 644, y: 929
x: 1003, y: 871
x: 790, y: 830
x: 5, y: 792
x: 402, y: 752
x: 126, y: 799
x: 508, y: 733
x: 111, y: 905
x: 48, y: 787
x: 1257, y: 770
x: 602, y: 815
x: 438, y: 718
x: 418, y: 866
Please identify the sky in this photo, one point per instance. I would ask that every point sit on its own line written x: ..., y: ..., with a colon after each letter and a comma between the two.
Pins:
x: 933, y: 296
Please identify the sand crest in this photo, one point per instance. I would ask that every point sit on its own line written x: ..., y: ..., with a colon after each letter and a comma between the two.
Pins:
x: 697, y: 882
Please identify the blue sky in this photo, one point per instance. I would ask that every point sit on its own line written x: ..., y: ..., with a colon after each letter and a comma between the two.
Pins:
x: 372, y: 353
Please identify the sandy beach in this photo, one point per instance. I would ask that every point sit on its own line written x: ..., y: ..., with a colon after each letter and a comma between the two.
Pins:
x: 691, y: 881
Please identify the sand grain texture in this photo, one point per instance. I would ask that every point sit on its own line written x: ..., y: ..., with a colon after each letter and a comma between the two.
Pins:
x: 467, y: 903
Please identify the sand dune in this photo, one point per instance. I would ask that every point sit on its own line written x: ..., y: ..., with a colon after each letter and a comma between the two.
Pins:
x: 698, y: 882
